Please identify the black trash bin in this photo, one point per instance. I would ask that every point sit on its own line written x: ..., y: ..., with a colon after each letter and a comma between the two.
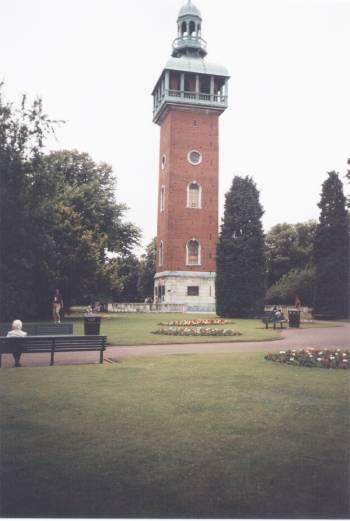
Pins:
x: 92, y: 325
x: 294, y: 317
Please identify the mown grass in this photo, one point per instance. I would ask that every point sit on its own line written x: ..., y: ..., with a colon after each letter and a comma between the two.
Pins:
x: 179, y: 436
x: 136, y: 329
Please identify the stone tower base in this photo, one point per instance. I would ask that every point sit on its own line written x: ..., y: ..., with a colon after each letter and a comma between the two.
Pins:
x: 195, y: 289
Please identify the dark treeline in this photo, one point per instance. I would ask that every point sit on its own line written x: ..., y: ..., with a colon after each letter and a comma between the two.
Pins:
x: 305, y: 261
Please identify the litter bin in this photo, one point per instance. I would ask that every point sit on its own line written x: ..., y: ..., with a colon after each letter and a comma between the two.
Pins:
x: 92, y: 325
x: 294, y: 317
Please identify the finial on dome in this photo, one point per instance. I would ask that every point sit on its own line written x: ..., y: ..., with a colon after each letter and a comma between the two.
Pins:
x: 189, y: 9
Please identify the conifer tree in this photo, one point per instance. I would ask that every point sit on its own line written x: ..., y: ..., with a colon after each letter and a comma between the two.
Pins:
x: 241, y: 270
x: 331, y: 252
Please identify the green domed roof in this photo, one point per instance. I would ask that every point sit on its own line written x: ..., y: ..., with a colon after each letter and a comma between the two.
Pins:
x: 189, y: 9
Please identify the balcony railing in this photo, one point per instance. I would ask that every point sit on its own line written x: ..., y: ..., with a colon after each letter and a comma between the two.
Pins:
x: 189, y: 41
x: 184, y: 95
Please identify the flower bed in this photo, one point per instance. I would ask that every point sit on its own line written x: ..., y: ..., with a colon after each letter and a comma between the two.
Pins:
x: 198, y: 322
x: 195, y: 331
x: 310, y: 357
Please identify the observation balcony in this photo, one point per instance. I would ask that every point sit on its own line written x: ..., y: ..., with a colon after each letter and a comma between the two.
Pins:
x: 172, y: 98
x: 189, y: 42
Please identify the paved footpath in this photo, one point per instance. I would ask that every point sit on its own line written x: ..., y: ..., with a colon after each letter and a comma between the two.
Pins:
x: 330, y: 337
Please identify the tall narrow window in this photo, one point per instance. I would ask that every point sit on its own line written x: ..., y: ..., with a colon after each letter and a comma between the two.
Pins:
x: 193, y: 251
x: 161, y: 253
x: 162, y: 198
x: 194, y: 193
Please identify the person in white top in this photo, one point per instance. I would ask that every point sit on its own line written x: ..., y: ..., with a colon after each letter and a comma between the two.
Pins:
x: 16, y: 331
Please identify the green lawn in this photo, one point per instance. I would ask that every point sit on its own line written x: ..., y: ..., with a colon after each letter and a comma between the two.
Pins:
x: 135, y: 329
x: 176, y: 436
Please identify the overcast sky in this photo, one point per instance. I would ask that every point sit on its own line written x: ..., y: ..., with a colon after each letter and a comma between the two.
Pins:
x: 95, y: 62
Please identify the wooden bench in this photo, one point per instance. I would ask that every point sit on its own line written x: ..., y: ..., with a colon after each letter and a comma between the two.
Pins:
x: 41, y: 328
x: 270, y: 318
x: 52, y: 344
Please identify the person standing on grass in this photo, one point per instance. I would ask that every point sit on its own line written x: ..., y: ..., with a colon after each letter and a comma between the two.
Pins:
x: 57, y: 305
x: 16, y: 331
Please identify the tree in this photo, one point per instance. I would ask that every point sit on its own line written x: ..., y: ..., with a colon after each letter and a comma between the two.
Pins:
x: 147, y: 271
x: 27, y: 249
x: 241, y: 267
x: 89, y: 226
x: 290, y: 263
x: 331, y: 251
x: 127, y: 270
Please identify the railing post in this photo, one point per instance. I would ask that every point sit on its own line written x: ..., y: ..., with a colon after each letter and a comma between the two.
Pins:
x: 182, y: 84
x: 167, y: 83
x: 211, y: 88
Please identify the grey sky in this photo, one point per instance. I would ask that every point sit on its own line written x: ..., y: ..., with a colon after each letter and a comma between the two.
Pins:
x: 95, y: 62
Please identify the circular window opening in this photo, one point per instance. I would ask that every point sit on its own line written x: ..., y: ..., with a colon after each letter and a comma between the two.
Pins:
x: 194, y: 157
x: 163, y: 161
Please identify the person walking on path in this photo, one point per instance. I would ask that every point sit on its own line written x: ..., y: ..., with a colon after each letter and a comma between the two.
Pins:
x: 57, y: 305
x: 16, y: 331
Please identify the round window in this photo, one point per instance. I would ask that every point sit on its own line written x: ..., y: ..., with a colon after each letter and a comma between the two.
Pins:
x: 163, y: 161
x: 194, y: 157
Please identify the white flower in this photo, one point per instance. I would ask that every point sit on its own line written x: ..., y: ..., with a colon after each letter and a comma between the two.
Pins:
x: 332, y: 357
x: 320, y: 353
x: 282, y: 352
x: 291, y: 359
x: 319, y: 359
x: 344, y: 360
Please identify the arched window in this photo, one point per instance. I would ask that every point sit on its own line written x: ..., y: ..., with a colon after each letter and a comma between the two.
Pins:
x: 194, y: 195
x: 162, y: 199
x: 161, y: 253
x: 183, y: 29
x: 193, y: 253
x: 192, y: 28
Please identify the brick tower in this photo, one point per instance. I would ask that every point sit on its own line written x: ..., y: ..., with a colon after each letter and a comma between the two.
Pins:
x: 188, y: 97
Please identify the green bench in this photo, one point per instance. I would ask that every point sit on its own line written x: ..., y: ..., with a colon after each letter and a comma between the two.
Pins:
x: 269, y: 317
x: 40, y: 328
x: 52, y: 344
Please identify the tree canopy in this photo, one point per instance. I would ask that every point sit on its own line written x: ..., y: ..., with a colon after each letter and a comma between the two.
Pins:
x: 59, y: 219
x: 290, y: 262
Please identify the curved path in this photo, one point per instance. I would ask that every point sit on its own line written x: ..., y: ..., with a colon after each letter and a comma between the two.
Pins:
x: 330, y: 337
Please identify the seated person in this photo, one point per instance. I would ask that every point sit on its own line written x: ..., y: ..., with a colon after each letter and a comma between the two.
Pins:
x: 16, y: 331
x: 279, y: 315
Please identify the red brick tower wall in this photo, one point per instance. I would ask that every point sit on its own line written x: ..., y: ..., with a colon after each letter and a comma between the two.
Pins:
x: 181, y: 132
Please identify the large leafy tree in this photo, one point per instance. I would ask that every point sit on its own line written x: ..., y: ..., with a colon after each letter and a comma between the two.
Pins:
x: 27, y: 248
x: 89, y: 225
x: 290, y: 263
x: 241, y: 271
x: 331, y: 251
